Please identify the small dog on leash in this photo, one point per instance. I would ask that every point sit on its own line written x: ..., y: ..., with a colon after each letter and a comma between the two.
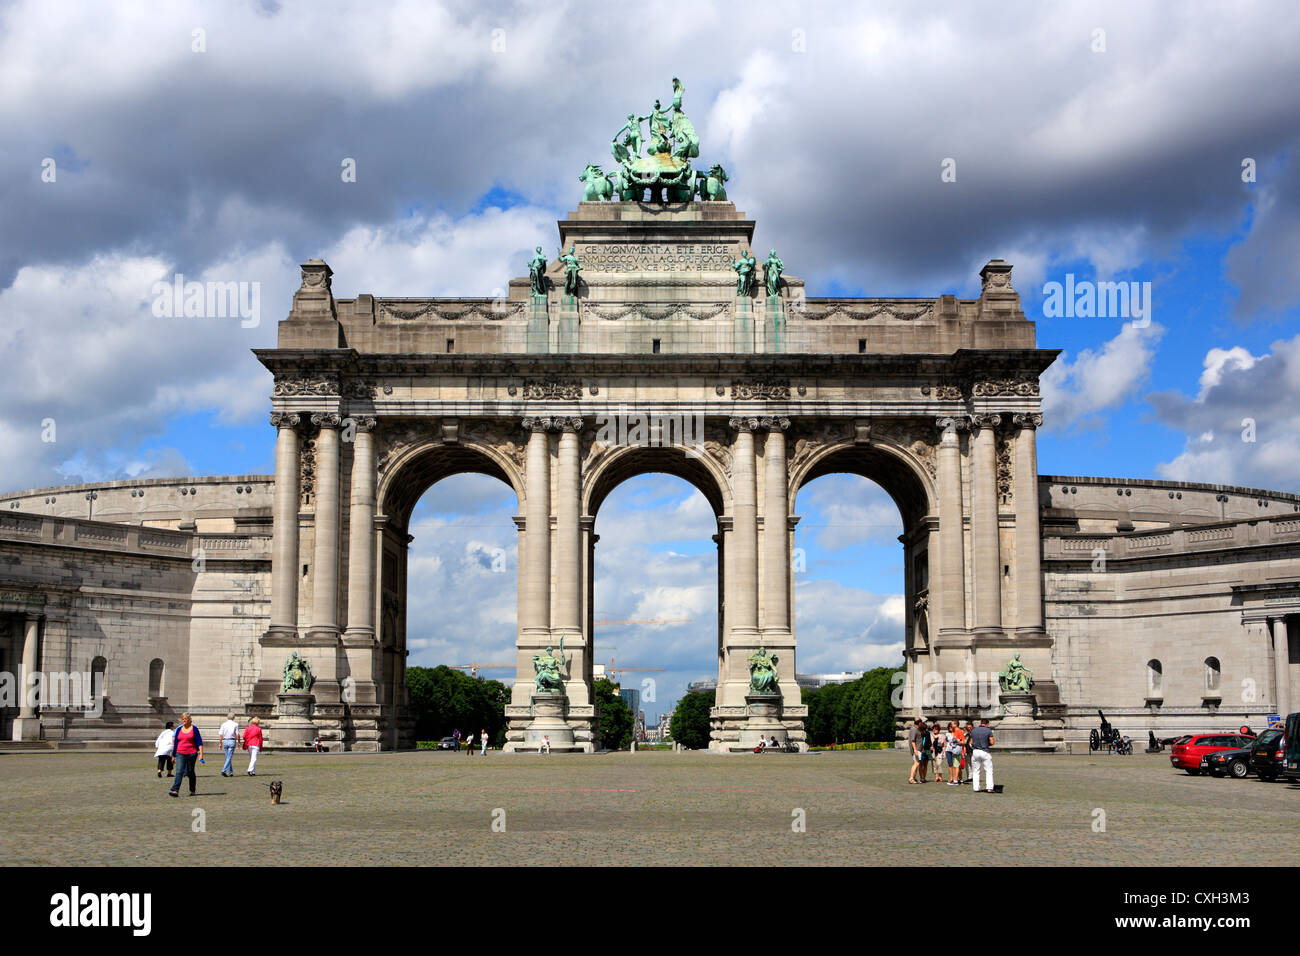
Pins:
x: 277, y: 789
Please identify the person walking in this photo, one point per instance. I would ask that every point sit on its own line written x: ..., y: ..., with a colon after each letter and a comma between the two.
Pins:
x: 229, y: 733
x: 188, y: 747
x: 483, y: 737
x: 253, y: 743
x: 981, y: 745
x: 469, y: 746
x: 164, y: 749
x: 927, y: 753
x: 456, y: 737
x: 940, y: 744
x: 966, y: 751
x: 914, y: 749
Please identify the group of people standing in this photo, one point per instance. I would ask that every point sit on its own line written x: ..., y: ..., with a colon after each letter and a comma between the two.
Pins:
x: 964, y: 751
x: 182, y: 748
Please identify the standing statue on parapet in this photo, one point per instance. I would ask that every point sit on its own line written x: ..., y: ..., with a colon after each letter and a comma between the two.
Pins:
x: 745, y: 267
x: 571, y: 270
x: 772, y: 269
x: 762, y: 673
x: 549, y: 668
x: 537, y: 273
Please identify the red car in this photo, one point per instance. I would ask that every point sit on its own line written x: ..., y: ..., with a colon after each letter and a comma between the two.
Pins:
x: 1189, y: 753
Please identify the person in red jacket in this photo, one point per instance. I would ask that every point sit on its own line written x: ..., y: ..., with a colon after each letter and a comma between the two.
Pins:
x: 253, y: 743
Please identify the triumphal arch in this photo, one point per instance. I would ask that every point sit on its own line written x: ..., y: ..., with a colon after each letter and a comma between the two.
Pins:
x: 654, y: 340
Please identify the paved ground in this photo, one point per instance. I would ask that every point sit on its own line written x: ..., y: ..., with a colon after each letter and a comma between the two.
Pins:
x: 637, y: 809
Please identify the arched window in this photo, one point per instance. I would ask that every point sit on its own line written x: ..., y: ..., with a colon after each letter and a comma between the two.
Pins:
x: 1213, y: 674
x: 156, y: 677
x: 99, y: 677
x: 1155, y: 678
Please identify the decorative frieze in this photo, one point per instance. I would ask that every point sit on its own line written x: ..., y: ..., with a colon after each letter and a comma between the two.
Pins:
x: 1018, y: 386
x: 1006, y: 474
x: 551, y: 389
x: 314, y: 387
x: 307, y: 469
x: 361, y: 391
x: 659, y: 313
x: 761, y: 390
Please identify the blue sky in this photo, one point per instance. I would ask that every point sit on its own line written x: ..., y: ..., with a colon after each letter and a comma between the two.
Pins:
x: 1103, y: 140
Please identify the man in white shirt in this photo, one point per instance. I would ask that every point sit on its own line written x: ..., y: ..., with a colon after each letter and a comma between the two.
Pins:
x: 229, y: 733
x: 164, y: 749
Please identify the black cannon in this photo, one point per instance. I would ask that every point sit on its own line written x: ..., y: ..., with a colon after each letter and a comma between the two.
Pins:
x: 1108, y: 738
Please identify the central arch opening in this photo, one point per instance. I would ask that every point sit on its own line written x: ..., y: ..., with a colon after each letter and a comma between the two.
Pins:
x: 656, y: 580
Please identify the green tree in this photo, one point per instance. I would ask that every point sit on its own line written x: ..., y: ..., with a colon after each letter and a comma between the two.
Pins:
x: 859, y: 710
x: 615, y: 720
x: 444, y: 700
x: 690, y: 721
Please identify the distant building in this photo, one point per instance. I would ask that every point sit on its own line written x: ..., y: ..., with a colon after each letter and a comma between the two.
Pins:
x: 813, y: 681
x: 630, y: 697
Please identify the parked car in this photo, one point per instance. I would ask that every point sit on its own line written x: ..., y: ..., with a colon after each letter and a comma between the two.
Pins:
x: 1231, y: 763
x: 1190, y: 752
x: 1268, y: 755
x: 1292, y: 770
x: 447, y: 743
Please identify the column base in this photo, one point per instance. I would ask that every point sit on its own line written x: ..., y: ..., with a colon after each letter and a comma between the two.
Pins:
x: 27, y: 728
x: 280, y: 635
x: 322, y: 636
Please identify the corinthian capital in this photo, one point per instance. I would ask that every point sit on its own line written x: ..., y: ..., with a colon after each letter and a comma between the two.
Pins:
x: 986, y: 421
x: 326, y: 419
x: 1027, y: 420
x: 573, y: 424
x: 364, y: 423
x: 286, y: 419
x: 743, y: 424
x: 957, y: 423
x: 777, y: 424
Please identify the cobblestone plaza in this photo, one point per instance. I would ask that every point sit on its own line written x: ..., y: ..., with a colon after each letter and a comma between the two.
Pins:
x: 638, y: 809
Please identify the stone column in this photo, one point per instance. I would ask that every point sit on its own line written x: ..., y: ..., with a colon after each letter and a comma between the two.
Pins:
x: 325, y: 574
x: 742, y: 609
x: 1281, y: 667
x: 284, y: 526
x: 952, y: 562
x: 535, y: 595
x: 985, y: 553
x: 1029, y: 567
x: 776, y: 530
x: 27, y: 725
x: 568, y: 531
x: 361, y: 533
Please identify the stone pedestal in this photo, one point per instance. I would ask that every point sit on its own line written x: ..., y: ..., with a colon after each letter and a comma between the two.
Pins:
x: 293, y: 726
x: 538, y: 334
x: 26, y: 728
x: 762, y: 722
x: 743, y: 327
x: 549, y: 720
x: 1019, y: 728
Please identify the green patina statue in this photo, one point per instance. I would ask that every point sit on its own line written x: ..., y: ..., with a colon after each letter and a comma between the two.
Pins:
x: 537, y: 273
x: 571, y: 270
x: 762, y: 673
x: 745, y: 267
x: 297, y: 678
x: 665, y: 170
x: 550, y: 677
x: 598, y: 187
x: 1017, y: 678
x: 772, y: 269
x: 709, y: 185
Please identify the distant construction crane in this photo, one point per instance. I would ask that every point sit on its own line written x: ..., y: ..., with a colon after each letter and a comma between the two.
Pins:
x: 613, y: 672
x: 483, y: 665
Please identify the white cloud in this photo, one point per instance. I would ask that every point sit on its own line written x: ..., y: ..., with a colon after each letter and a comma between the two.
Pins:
x: 1098, y: 380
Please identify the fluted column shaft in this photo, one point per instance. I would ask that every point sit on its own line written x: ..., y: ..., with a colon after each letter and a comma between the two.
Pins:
x: 284, y: 525
x: 568, y: 530
x: 31, y: 663
x: 361, y: 532
x: 951, y: 588
x: 743, y: 608
x: 1281, y: 667
x: 1029, y: 566
x: 985, y: 552
x: 776, y: 536
x: 325, y: 577
x: 535, y: 614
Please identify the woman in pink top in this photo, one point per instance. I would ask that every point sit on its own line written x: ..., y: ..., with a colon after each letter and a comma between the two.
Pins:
x: 188, y: 750
x: 253, y: 743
